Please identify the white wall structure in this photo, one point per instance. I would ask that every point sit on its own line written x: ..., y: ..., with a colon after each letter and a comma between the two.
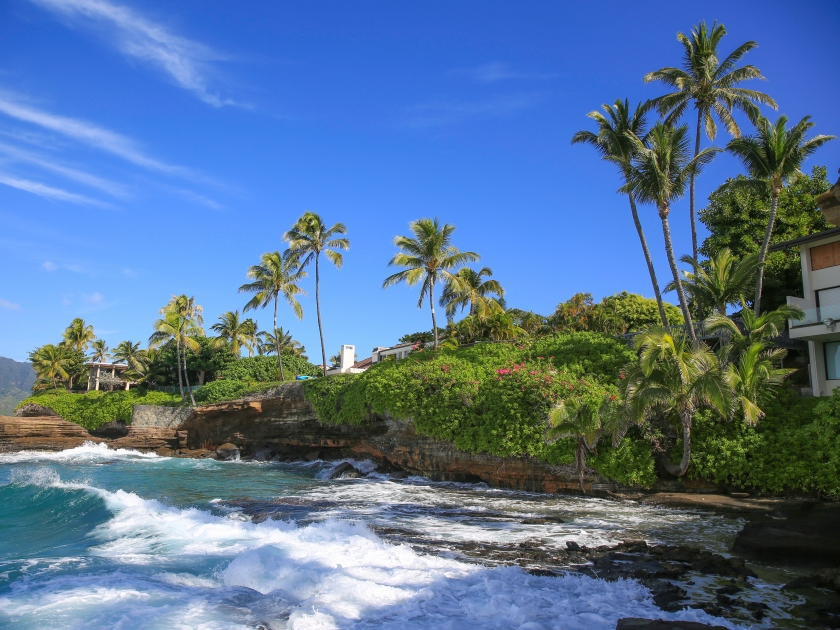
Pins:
x: 346, y: 361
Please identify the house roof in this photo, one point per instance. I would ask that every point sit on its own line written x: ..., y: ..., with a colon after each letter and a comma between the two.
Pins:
x: 363, y: 364
x: 107, y: 365
x: 804, y: 239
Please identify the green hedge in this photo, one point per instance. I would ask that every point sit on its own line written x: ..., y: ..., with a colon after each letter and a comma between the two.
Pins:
x: 795, y: 448
x: 93, y: 409
x: 220, y: 391
x: 266, y: 370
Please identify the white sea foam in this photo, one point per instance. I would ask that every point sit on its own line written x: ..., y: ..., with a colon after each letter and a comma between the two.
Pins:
x: 164, y: 567
x: 88, y: 452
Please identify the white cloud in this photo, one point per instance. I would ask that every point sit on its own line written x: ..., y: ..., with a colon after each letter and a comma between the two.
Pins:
x: 49, y: 266
x: 440, y: 113
x: 9, y: 305
x: 42, y: 190
x: 498, y: 71
x: 93, y: 181
x: 87, y: 133
x: 188, y: 63
x: 94, y: 298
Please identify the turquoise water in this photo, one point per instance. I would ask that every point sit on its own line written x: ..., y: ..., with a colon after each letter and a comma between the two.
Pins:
x: 95, y: 538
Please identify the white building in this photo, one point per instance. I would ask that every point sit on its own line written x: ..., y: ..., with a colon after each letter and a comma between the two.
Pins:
x: 820, y: 257
x: 347, y: 362
x: 108, y: 375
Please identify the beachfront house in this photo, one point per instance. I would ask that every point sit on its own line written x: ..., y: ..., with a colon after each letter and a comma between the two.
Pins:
x: 820, y: 259
x: 106, y: 376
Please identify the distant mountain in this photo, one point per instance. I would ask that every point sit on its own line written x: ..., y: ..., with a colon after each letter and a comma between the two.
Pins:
x: 16, y: 380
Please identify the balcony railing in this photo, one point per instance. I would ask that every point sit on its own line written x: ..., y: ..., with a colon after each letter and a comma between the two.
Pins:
x: 817, y: 315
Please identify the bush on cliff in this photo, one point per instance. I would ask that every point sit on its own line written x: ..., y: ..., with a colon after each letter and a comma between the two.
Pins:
x: 93, y: 409
x: 265, y: 369
x: 493, y: 397
x: 220, y: 391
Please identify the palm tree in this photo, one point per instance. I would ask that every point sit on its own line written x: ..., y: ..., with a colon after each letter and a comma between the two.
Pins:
x: 79, y: 335
x: 467, y: 288
x: 181, y: 321
x: 146, y: 368
x: 428, y: 256
x: 753, y: 328
x: 234, y: 332
x: 772, y: 156
x: 277, y: 275
x: 51, y: 363
x: 658, y: 174
x: 722, y: 281
x: 712, y: 86
x: 755, y: 378
x: 100, y: 351
x: 283, y: 340
x: 675, y: 377
x: 309, y: 237
x: 578, y: 419
x: 129, y: 352
x: 613, y: 144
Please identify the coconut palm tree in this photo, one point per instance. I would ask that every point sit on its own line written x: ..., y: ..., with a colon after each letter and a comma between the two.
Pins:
x: 283, y: 340
x: 613, y: 143
x: 147, y: 368
x: 181, y: 322
x: 51, y: 363
x: 675, y: 377
x: 658, y: 174
x: 753, y: 328
x: 100, y: 351
x: 755, y: 377
x: 428, y: 256
x: 580, y: 420
x: 129, y: 352
x: 276, y: 276
x: 309, y: 237
x: 724, y: 280
x: 234, y: 332
x: 712, y: 86
x: 79, y: 335
x: 772, y: 156
x: 467, y: 288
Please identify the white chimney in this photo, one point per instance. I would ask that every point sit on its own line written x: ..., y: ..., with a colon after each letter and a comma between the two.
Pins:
x: 347, y: 357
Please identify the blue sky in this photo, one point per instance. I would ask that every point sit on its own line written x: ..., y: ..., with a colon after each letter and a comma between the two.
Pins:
x: 151, y: 148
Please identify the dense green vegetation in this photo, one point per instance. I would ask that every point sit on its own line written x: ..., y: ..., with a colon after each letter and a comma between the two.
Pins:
x: 93, y: 409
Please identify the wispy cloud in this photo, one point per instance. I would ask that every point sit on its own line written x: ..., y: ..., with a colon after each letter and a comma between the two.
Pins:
x: 20, y: 155
x: 194, y: 197
x: 89, y: 134
x: 48, y: 265
x: 442, y: 113
x: 9, y: 305
x: 42, y: 190
x: 498, y: 71
x: 188, y: 63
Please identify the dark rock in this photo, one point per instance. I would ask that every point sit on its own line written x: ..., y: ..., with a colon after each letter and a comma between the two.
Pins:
x: 227, y: 452
x: 312, y: 456
x: 634, y: 623
x: 111, y: 430
x: 826, y: 578
x: 34, y: 411
x: 542, y: 520
x: 345, y: 470
x: 399, y: 474
x: 728, y: 590
x: 571, y: 545
x: 263, y: 455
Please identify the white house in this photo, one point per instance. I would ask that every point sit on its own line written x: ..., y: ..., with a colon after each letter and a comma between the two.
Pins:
x: 820, y: 259
x: 107, y: 375
x: 347, y: 362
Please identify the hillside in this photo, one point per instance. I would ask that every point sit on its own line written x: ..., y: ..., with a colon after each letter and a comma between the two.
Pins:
x: 16, y: 381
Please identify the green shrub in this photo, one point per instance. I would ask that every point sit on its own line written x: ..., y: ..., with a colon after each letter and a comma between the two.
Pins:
x: 93, y: 409
x: 220, y: 391
x: 265, y: 369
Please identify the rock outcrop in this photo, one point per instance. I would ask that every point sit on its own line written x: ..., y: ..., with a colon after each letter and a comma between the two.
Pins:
x: 41, y: 433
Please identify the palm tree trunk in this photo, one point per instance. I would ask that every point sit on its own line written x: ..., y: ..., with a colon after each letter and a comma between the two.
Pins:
x: 277, y: 344
x: 691, y: 188
x: 580, y: 462
x: 318, y: 309
x: 178, y: 366
x: 680, y: 469
x: 434, y: 317
x: 762, y: 256
x: 669, y: 249
x: 187, y: 378
x: 649, y: 261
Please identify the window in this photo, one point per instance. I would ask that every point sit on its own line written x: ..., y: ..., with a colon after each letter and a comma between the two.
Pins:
x: 829, y: 302
x: 832, y: 360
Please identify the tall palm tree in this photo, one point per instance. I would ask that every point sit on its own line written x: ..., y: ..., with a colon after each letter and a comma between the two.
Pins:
x: 129, y: 352
x: 772, y: 156
x: 722, y: 281
x: 79, y: 335
x: 613, y: 143
x: 467, y: 288
x: 181, y: 322
x: 309, y: 237
x: 712, y: 86
x: 234, y: 332
x: 675, y: 377
x: 276, y: 276
x: 51, y: 363
x: 428, y: 256
x: 100, y: 351
x: 658, y: 174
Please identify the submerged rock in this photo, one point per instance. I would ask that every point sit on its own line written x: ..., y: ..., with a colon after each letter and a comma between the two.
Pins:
x: 227, y: 452
x: 345, y: 470
x: 635, y: 623
x: 263, y: 455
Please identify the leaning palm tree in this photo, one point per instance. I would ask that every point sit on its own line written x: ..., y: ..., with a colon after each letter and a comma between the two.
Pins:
x: 276, y: 276
x: 181, y: 322
x: 613, y: 143
x: 428, y: 256
x: 772, y: 156
x: 674, y: 378
x: 100, y: 351
x: 309, y: 237
x: 129, y: 352
x: 712, y: 86
x: 658, y: 174
x: 468, y: 289
x: 234, y: 333
x: 723, y: 280
x: 51, y: 363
